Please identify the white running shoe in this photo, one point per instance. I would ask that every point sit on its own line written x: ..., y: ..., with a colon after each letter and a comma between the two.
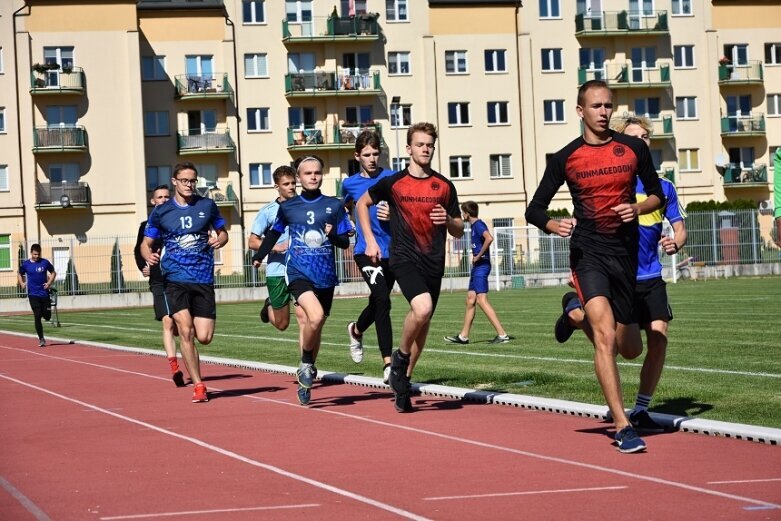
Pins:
x: 386, y: 374
x: 356, y: 344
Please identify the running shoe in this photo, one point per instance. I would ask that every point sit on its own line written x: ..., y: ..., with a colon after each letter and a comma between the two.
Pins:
x: 500, y: 339
x: 178, y: 379
x: 305, y: 375
x: 41, y: 343
x: 628, y: 441
x: 642, y: 422
x: 397, y: 379
x: 304, y: 395
x: 264, y: 311
x: 199, y: 394
x: 563, y: 329
x: 386, y: 374
x: 457, y: 339
x: 402, y: 402
x: 356, y: 344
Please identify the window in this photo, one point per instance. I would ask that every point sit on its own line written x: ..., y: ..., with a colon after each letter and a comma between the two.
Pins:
x: 257, y: 119
x: 682, y: 8
x: 401, y: 115
x: 552, y: 61
x: 398, y: 63
x: 494, y: 60
x: 500, y: 166
x: 61, y: 116
x: 359, y: 115
x: 774, y: 104
x: 643, y: 60
x: 683, y: 56
x: 593, y: 61
x: 686, y: 107
x: 353, y: 7
x: 648, y: 107
x: 201, y: 65
x: 64, y: 173
x: 201, y: 122
x: 298, y: 11
x: 5, y: 252
x: 737, y: 53
x: 255, y: 66
x: 550, y: 9
x: 62, y: 56
x: 554, y: 110
x: 2, y: 120
x: 300, y: 62
x: 353, y: 167
x: 5, y: 183
x: 207, y: 175
x: 156, y: 123
x: 742, y: 157
x: 458, y: 113
x: 399, y: 163
x: 656, y: 159
x: 396, y: 10
x: 497, y: 113
x: 455, y: 62
x: 157, y: 175
x: 301, y: 117
x: 641, y: 7
x: 772, y: 54
x: 688, y: 160
x: 153, y: 68
x: 460, y: 167
x: 260, y: 175
x: 254, y: 12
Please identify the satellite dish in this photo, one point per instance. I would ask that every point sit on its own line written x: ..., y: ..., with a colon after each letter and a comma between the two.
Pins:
x: 721, y: 162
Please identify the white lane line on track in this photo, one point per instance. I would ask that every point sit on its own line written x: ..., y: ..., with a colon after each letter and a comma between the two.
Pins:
x: 207, y: 512
x: 457, y: 439
x: 525, y: 493
x: 230, y: 454
x: 26, y: 502
x: 743, y: 481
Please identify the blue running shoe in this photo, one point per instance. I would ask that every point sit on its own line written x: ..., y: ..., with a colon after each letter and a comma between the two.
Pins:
x: 642, y: 422
x: 628, y: 441
x: 563, y: 329
x: 305, y: 375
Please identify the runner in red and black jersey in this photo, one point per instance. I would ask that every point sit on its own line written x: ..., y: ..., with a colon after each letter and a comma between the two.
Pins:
x: 600, y: 169
x: 423, y: 209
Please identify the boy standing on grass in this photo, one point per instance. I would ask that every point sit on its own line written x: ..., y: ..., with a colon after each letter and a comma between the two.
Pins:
x: 316, y: 224
x: 478, y: 279
x: 423, y: 210
x: 37, y: 274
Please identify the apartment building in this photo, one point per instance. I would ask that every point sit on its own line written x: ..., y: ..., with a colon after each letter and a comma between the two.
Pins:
x: 100, y: 98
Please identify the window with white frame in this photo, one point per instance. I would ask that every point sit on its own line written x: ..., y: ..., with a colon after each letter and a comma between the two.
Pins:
x: 592, y: 60
x: 257, y: 119
x: 550, y: 9
x: 207, y: 175
x: 458, y: 113
x: 360, y: 115
x: 298, y: 11
x: 256, y: 65
x: 199, y: 65
x: 158, y: 175
x: 648, y: 107
x: 682, y: 8
x: 643, y: 61
x: 641, y: 7
x: 5, y: 183
x: 5, y: 252
x: 260, y: 175
x: 553, y: 111
x: 398, y: 63
x: 497, y: 113
x: 2, y: 120
x: 500, y: 166
x: 683, y: 56
x: 396, y: 10
x: 64, y: 172
x: 399, y: 163
x: 61, y: 116
x: 156, y: 123
x: 401, y: 115
x: 353, y: 7
x: 153, y: 68
x: 253, y: 11
x: 455, y: 62
x: 301, y: 117
x: 773, y: 53
x: 552, y: 60
x: 688, y: 160
x: 460, y: 167
x: 686, y: 107
x: 774, y: 105
x: 736, y: 53
x: 495, y: 60
x: 62, y: 56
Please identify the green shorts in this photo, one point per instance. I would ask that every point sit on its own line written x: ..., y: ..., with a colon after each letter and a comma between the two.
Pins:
x: 277, y: 292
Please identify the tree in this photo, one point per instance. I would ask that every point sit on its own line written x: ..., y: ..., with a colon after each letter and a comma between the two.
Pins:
x: 71, y: 280
x: 117, y: 278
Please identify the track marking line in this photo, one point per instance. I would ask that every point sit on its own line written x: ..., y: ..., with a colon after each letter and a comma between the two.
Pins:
x: 230, y: 454
x: 26, y: 502
x: 205, y: 512
x: 743, y: 481
x: 525, y: 493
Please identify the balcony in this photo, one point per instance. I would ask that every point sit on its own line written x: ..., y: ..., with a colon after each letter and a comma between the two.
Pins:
x: 743, y: 126
x: 342, y: 83
x: 195, y: 142
x: 623, y: 76
x: 59, y: 139
x: 662, y: 128
x: 327, y: 137
x: 214, y: 86
x: 57, y: 196
x: 746, y: 176
x: 622, y: 23
x: 750, y: 73
x: 223, y: 198
x: 359, y: 28
x: 46, y: 79
x: 669, y: 174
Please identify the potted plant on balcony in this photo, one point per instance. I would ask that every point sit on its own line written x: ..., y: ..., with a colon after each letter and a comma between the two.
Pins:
x: 40, y: 68
x: 67, y: 68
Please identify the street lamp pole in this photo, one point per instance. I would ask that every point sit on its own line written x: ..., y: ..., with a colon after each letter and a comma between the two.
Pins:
x: 395, y: 105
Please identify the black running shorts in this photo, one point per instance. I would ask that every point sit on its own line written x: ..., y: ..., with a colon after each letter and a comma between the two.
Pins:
x: 159, y: 300
x: 611, y: 276
x: 198, y: 298
x: 651, y: 302
x: 413, y: 282
x: 325, y: 295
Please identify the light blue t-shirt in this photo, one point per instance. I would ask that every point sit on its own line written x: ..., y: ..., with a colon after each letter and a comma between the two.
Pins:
x: 352, y: 189
x: 275, y: 262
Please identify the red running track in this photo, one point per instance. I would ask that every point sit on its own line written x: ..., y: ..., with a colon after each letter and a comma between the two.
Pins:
x: 91, y: 433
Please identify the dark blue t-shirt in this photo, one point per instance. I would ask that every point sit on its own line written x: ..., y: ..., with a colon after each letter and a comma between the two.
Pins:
x: 36, y: 274
x: 478, y: 229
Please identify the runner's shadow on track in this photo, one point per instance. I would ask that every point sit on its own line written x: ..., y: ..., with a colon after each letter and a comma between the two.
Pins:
x: 225, y: 377
x: 339, y: 401
x: 683, y: 406
x: 235, y: 393
x: 436, y: 404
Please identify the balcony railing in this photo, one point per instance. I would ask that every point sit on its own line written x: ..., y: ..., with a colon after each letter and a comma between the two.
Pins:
x: 755, y: 174
x: 59, y: 139
x: 191, y: 86
x: 662, y: 129
x: 332, y: 28
x: 194, y: 142
x: 62, y: 195
x: 341, y: 83
x: 624, y: 76
x: 621, y: 23
x: 327, y: 137
x: 743, y: 126
x: 750, y: 73
x: 68, y: 80
x: 669, y: 174
x: 222, y: 198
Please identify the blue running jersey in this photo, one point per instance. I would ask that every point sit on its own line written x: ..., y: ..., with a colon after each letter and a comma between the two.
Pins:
x: 37, y: 273
x: 648, y: 264
x: 352, y: 189
x: 187, y: 256
x: 275, y: 262
x: 310, y: 255
x: 478, y: 229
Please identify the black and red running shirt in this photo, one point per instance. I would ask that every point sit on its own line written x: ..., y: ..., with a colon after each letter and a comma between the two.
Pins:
x: 414, y: 238
x: 599, y: 177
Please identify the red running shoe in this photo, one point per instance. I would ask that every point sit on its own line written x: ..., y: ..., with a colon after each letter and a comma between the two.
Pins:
x: 199, y: 395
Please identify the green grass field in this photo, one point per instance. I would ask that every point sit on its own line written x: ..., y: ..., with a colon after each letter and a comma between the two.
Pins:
x: 723, y: 363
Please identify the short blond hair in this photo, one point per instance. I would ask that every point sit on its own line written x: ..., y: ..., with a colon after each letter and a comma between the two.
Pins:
x: 620, y: 124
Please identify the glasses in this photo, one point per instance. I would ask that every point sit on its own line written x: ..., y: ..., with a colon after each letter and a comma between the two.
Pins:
x: 185, y: 181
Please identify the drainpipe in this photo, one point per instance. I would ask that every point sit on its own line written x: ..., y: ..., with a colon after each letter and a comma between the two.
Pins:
x: 19, y: 122
x: 520, y: 106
